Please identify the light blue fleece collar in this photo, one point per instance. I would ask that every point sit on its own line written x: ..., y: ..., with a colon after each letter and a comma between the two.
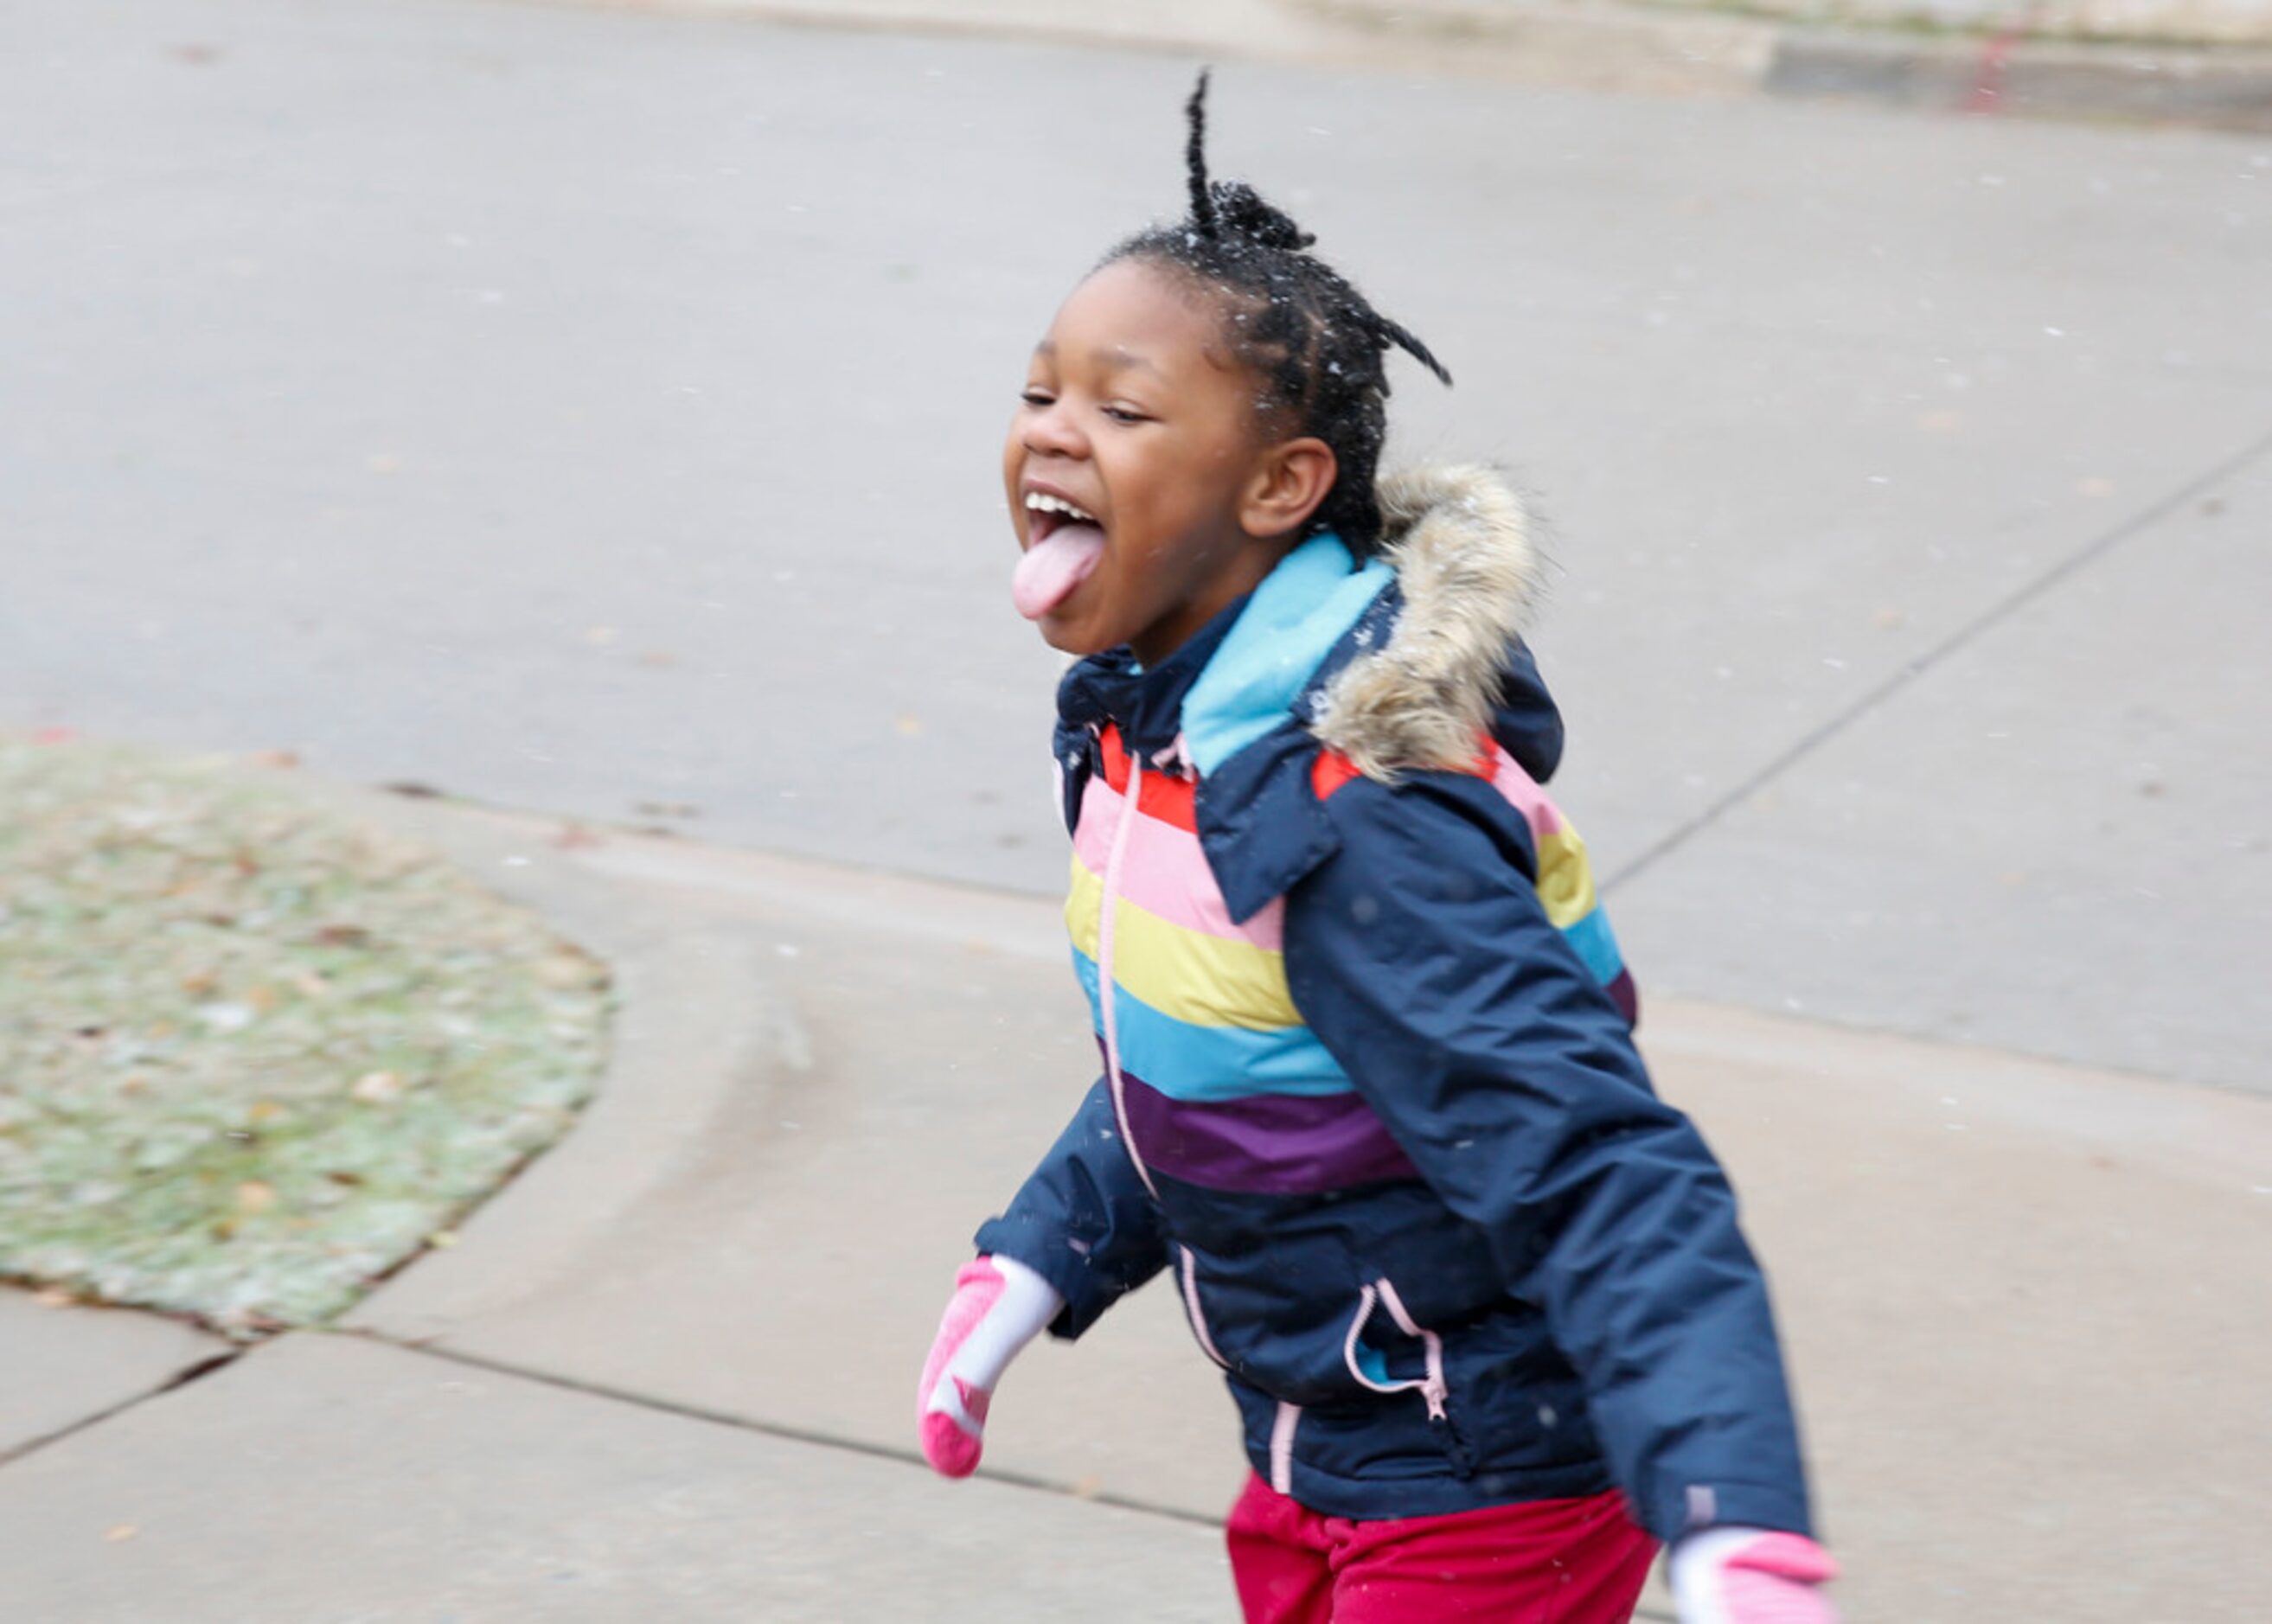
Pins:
x: 1302, y: 608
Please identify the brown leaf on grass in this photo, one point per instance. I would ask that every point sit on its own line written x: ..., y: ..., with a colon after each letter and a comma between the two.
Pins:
x: 566, y: 970
x: 254, y: 1196
x: 378, y: 1088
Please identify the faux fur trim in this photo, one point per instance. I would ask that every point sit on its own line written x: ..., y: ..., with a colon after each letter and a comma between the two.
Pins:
x: 1461, y: 544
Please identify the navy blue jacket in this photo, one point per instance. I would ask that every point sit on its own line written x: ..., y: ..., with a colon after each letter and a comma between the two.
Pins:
x: 1450, y: 1248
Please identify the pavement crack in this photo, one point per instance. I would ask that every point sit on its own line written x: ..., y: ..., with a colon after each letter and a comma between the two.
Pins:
x: 2019, y: 597
x: 199, y: 1371
x: 180, y: 1378
x: 790, y: 1434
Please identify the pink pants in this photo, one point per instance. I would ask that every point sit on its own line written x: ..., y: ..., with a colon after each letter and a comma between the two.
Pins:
x: 1546, y: 1561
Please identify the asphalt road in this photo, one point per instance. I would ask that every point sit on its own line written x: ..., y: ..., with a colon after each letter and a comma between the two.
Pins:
x: 597, y: 412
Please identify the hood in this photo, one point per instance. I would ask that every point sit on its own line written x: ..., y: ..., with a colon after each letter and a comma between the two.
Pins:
x: 1400, y: 663
x: 1468, y: 573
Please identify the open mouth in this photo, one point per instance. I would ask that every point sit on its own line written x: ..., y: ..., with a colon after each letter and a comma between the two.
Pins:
x: 1063, y: 545
x: 1045, y: 515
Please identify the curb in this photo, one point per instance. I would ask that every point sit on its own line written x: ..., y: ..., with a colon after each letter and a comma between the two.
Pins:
x: 2226, y: 88
x: 2009, y: 72
x: 697, y: 1024
x: 1586, y: 45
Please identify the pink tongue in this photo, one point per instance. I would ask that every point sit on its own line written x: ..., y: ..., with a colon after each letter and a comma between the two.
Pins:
x: 1052, y: 567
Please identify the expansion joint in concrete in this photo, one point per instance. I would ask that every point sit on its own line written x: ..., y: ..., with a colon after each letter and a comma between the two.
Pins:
x: 774, y: 1429
x: 173, y: 1383
x: 2027, y: 594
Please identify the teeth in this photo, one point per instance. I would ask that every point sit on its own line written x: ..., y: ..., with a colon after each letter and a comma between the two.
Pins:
x: 1039, y: 501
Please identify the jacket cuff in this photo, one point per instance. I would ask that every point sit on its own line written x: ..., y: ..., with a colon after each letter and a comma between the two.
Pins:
x: 1051, y: 1256
x: 1692, y: 1508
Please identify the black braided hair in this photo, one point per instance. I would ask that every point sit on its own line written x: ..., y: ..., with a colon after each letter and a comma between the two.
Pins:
x: 1314, y: 341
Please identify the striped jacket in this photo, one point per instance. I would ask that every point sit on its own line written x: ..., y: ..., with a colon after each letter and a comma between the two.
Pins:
x: 1369, y: 1093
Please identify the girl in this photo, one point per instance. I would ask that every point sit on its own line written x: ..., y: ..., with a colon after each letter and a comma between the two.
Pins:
x: 1369, y: 1093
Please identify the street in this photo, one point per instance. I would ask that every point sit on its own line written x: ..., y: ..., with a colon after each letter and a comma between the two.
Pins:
x: 597, y: 413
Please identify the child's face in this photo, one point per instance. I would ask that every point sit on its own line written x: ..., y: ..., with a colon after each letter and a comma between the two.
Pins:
x: 1134, y: 413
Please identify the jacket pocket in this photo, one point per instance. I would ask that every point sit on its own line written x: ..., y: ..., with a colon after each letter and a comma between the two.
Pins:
x: 1372, y: 1372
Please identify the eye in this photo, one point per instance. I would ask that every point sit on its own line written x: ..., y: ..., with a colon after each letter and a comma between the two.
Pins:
x: 1036, y: 397
x: 1120, y: 413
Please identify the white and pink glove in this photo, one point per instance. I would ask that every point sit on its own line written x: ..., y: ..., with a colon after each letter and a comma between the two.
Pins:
x: 998, y: 1306
x: 1752, y: 1575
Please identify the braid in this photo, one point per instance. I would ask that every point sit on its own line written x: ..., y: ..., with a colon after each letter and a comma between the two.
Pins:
x: 1402, y: 338
x: 1203, y: 216
x: 1310, y: 338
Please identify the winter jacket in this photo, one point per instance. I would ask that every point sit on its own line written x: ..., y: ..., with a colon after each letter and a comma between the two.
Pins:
x: 1371, y: 1094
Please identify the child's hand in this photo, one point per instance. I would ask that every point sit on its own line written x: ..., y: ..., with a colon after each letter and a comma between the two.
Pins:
x: 998, y: 1306
x: 1750, y: 1575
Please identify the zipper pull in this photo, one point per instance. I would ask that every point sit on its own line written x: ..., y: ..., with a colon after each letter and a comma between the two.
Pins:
x: 1436, y: 1393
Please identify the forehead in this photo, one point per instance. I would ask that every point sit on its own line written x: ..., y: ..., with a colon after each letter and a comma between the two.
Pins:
x: 1134, y: 313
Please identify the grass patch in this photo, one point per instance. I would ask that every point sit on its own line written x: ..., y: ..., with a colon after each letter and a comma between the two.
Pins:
x: 253, y: 1054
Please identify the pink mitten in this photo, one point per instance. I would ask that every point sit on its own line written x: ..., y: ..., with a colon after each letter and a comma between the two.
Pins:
x: 998, y: 1306
x: 1752, y: 1575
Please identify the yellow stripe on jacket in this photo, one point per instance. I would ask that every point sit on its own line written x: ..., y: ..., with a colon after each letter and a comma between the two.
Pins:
x: 1185, y: 974
x: 1565, y: 878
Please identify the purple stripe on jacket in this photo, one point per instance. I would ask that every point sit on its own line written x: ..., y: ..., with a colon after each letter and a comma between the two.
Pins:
x: 1626, y: 995
x: 1275, y: 1144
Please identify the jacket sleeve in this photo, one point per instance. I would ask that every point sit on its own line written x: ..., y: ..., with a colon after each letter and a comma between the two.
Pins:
x: 1083, y: 1221
x: 1422, y: 957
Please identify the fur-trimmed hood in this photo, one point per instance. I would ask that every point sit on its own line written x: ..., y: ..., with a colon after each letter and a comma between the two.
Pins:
x: 1469, y: 572
x: 1399, y: 664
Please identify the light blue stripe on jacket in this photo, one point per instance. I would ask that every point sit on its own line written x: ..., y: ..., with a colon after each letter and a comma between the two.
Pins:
x: 1591, y: 940
x: 1204, y: 1064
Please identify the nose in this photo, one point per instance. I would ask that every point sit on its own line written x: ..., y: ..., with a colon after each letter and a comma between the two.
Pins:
x: 1050, y: 431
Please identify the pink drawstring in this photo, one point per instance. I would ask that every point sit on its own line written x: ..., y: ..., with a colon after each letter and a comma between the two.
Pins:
x: 1104, y: 989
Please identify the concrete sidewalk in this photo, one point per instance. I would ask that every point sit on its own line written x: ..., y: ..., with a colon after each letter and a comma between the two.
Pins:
x: 667, y: 1373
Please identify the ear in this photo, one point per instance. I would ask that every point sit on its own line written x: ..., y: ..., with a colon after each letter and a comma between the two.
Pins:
x: 1290, y: 480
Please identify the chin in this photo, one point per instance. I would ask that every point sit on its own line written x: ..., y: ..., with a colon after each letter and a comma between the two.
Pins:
x: 1071, y: 639
x: 1078, y: 635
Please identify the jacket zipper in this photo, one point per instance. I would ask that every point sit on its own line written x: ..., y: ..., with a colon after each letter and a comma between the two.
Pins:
x: 1110, y: 907
x: 1189, y: 1273
x: 1434, y: 1389
x: 1432, y: 1386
